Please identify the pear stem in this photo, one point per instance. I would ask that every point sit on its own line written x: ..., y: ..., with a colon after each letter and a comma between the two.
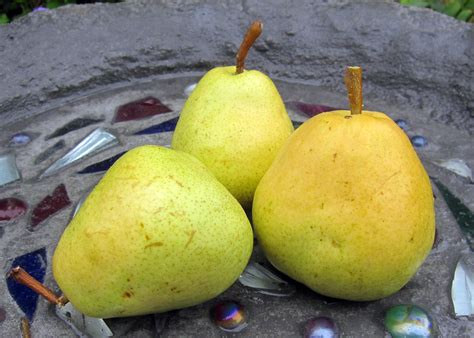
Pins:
x: 252, y: 34
x: 25, y: 328
x: 353, y: 80
x: 23, y: 277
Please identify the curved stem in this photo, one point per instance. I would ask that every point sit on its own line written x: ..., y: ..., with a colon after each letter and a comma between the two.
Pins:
x: 252, y: 34
x: 23, y: 277
x: 353, y: 80
x: 25, y: 328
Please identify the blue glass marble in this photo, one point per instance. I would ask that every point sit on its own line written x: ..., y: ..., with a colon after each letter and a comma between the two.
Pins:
x: 162, y: 127
x: 20, y: 139
x: 320, y: 327
x: 35, y: 264
x: 102, y: 165
x: 229, y: 316
x: 402, y: 124
x: 419, y: 141
x: 409, y: 321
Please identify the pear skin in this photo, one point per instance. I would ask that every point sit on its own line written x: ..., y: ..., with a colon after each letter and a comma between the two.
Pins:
x: 347, y: 207
x: 157, y: 233
x: 235, y: 124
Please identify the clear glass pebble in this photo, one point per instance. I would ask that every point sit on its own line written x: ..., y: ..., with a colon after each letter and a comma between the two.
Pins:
x: 8, y: 169
x: 97, y: 141
x: 257, y: 277
x: 462, y: 290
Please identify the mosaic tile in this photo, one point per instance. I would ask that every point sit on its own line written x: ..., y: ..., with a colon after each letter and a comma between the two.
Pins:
x: 35, y: 264
x: 11, y: 208
x: 97, y: 141
x: 49, y: 151
x: 463, y: 216
x: 146, y: 107
x: 462, y: 289
x: 73, y: 125
x: 457, y: 166
x: 308, y: 109
x: 257, y: 277
x: 229, y: 316
x: 20, y: 139
x: 320, y: 327
x: 82, y: 325
x: 189, y: 89
x: 296, y: 124
x: 409, y: 321
x: 102, y: 165
x: 8, y: 169
x: 50, y: 205
x: 162, y: 127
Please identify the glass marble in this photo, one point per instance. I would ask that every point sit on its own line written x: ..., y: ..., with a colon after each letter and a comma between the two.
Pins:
x: 146, y: 107
x: 419, y: 141
x: 259, y: 278
x: 409, y: 321
x: 229, y: 316
x: 20, y: 139
x: 162, y: 127
x: 462, y: 289
x: 50, y: 205
x: 8, y: 169
x: 35, y: 264
x: 49, y: 151
x: 11, y: 208
x: 308, y: 109
x: 97, y: 141
x: 402, y: 124
x: 102, y: 165
x: 320, y: 327
x: 74, y: 125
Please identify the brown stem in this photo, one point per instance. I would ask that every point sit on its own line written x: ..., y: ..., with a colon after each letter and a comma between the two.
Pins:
x: 25, y: 328
x: 353, y: 80
x: 23, y: 277
x: 252, y: 34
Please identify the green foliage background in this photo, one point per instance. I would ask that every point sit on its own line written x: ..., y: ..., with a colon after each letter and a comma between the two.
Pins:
x: 460, y: 9
x: 11, y: 9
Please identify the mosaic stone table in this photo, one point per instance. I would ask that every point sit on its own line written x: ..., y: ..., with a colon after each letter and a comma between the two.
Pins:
x: 53, y: 127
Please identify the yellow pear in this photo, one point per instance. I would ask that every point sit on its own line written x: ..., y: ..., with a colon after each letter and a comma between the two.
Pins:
x: 234, y: 122
x: 347, y: 207
x: 157, y: 233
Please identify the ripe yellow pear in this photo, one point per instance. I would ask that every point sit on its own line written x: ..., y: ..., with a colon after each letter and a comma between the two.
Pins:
x: 234, y: 122
x: 157, y: 233
x: 347, y: 207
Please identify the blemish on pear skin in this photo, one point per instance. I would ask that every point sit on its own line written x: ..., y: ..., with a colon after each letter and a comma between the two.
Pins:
x: 191, y: 236
x: 154, y: 244
x: 334, y: 157
x: 128, y: 294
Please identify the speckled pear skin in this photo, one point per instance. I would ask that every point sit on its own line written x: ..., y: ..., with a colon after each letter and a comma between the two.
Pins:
x: 346, y: 207
x: 157, y: 233
x: 235, y: 124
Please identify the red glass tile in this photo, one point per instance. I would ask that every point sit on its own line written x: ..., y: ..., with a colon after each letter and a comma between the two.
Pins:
x: 148, y: 106
x: 50, y: 205
x: 11, y: 208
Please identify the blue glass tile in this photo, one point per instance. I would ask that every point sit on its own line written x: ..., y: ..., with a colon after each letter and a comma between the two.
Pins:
x: 162, y: 127
x: 35, y: 264
x: 102, y: 165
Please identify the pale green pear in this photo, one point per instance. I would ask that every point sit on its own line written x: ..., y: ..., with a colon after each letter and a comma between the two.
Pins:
x: 157, y: 233
x: 235, y: 124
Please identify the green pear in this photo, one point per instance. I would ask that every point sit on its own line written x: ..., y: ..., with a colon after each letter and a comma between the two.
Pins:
x: 234, y: 122
x: 347, y: 207
x: 157, y: 233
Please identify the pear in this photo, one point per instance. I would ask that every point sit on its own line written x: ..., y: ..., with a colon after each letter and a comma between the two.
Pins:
x: 234, y: 122
x: 157, y: 233
x: 346, y: 207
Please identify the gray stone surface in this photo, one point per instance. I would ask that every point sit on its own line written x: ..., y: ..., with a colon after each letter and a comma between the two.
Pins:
x: 413, y: 58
